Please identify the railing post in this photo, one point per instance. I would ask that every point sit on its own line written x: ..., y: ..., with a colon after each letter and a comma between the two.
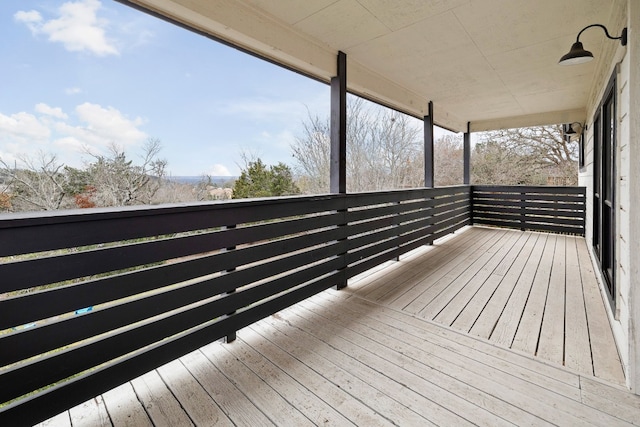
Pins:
x: 343, y: 226
x: 523, y: 212
x: 471, y: 199
x: 396, y: 223
x: 231, y: 336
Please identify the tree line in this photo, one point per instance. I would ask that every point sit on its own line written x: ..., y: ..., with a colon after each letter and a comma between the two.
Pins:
x: 109, y: 179
x: 384, y: 151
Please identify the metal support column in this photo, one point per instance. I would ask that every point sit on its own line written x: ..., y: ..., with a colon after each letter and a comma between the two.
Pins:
x: 338, y: 169
x: 428, y: 147
x: 467, y: 155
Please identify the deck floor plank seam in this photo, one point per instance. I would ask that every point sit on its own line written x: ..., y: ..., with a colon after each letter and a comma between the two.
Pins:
x: 553, y: 407
x: 439, y: 401
x: 352, y: 408
x: 466, y: 285
x: 509, y: 321
x: 258, y: 391
x: 232, y: 401
x: 527, y: 369
x: 473, y: 304
x: 577, y: 343
x: 492, y: 310
x: 125, y: 408
x: 404, y: 271
x: 528, y: 332
x: 424, y: 290
x: 353, y: 376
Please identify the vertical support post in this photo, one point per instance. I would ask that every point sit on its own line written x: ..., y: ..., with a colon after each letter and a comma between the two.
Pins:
x: 338, y: 168
x: 466, y: 173
x: 428, y: 147
x: 428, y: 151
x: 523, y: 212
x: 467, y: 155
x: 231, y: 336
x: 338, y: 156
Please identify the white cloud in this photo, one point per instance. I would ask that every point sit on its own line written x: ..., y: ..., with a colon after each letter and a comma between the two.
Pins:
x: 22, y: 127
x: 32, y: 19
x: 70, y: 143
x: 56, y: 112
x: 219, y: 170
x: 78, y: 27
x: 110, y: 124
x: 92, y: 128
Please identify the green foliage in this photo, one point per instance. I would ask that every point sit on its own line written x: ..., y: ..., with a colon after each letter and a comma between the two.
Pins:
x: 77, y: 180
x: 260, y: 180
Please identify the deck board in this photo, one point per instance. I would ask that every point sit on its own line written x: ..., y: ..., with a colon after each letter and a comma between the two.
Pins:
x: 493, y: 309
x: 346, y: 358
x: 161, y: 405
x: 606, y: 360
x: 194, y: 399
x: 519, y: 392
x: 525, y: 290
x: 577, y: 346
x: 528, y: 332
x: 551, y: 341
x: 507, y: 325
x: 124, y: 408
x: 227, y: 396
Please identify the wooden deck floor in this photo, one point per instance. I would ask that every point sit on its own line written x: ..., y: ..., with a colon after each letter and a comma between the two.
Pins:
x: 352, y: 357
x: 532, y: 292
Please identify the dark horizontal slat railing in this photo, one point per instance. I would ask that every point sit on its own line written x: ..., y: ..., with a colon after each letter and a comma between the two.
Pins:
x: 91, y: 299
x: 550, y: 209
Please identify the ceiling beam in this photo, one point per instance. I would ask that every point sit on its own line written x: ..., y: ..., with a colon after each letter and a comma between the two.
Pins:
x: 540, y: 119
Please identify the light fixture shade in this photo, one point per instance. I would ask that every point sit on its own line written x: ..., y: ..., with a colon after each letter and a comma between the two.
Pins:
x: 577, y: 55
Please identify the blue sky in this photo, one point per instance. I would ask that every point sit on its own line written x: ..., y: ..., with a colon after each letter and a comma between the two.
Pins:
x: 81, y: 74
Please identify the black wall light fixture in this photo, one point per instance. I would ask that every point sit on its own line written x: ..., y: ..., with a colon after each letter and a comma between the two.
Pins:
x: 574, y: 128
x: 577, y: 54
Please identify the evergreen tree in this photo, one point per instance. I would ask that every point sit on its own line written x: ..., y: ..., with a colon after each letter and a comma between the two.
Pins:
x: 260, y: 180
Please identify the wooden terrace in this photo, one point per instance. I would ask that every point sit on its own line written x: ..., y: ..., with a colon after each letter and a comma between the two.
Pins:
x: 484, y: 327
x: 435, y: 321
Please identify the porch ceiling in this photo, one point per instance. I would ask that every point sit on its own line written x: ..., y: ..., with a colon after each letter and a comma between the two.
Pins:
x: 490, y: 62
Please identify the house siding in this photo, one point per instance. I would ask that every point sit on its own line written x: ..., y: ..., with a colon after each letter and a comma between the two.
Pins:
x: 624, y: 62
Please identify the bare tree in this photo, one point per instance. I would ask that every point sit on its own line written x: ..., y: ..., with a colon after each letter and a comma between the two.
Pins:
x: 533, y: 155
x: 448, y: 160
x: 384, y: 150
x: 311, y: 152
x: 34, y: 183
x: 119, y: 182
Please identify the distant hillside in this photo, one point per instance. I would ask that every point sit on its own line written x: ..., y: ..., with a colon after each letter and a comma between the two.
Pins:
x: 219, y: 180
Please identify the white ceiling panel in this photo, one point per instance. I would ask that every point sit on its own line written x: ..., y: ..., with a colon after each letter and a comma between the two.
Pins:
x: 484, y: 61
x: 342, y: 25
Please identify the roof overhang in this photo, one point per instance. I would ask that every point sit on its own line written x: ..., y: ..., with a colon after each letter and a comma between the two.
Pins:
x: 493, y: 63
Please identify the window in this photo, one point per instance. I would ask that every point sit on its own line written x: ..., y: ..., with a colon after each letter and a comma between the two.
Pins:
x: 604, y: 186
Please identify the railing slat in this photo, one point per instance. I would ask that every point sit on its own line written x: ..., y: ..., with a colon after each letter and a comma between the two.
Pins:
x: 551, y: 209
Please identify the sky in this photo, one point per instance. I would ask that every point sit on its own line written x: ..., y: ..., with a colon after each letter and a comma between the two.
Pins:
x: 79, y: 75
